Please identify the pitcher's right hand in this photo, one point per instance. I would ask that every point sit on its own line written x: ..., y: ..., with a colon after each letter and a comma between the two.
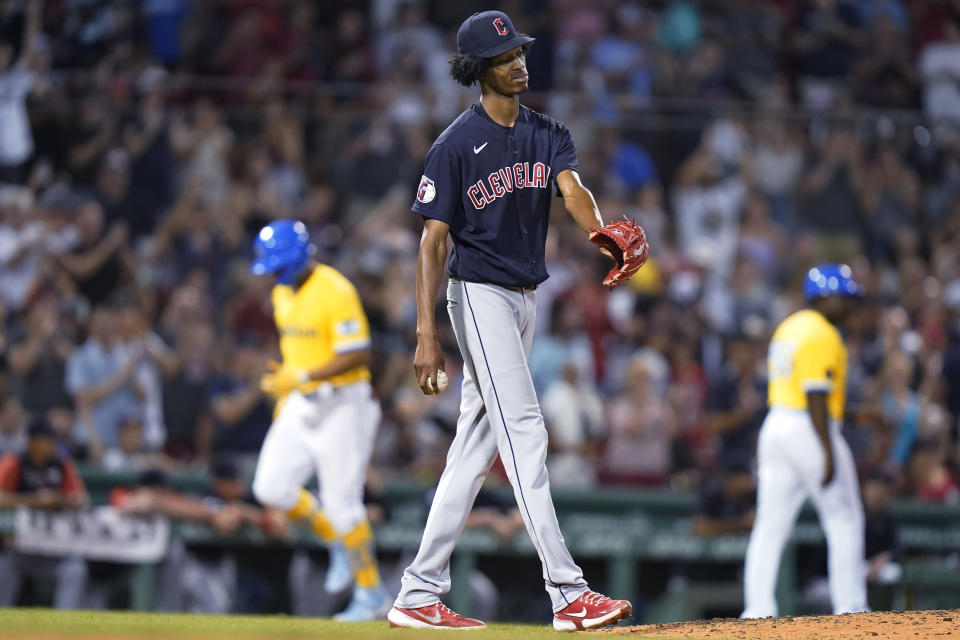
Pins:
x: 427, y: 360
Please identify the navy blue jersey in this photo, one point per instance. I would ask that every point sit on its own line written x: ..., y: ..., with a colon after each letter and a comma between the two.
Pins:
x: 493, y: 184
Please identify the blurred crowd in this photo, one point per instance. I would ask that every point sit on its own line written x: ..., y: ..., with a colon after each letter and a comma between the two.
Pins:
x: 143, y: 144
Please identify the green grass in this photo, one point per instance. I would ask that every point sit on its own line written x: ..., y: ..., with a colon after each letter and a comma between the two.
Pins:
x: 47, y: 624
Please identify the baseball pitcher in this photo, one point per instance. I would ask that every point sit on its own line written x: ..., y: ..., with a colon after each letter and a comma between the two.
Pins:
x: 488, y: 182
x: 801, y: 453
x: 327, y: 416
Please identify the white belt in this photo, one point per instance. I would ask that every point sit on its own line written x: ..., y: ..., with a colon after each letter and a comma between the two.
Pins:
x: 788, y: 410
x: 803, y: 413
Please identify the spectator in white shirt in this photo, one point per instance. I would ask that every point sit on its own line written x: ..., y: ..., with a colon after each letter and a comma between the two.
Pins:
x: 573, y: 412
x: 17, y: 80
x: 711, y: 189
x: 21, y: 243
x: 156, y: 361
x: 940, y: 67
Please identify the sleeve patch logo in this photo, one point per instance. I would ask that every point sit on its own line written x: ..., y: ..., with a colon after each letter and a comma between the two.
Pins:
x: 427, y: 191
x: 348, y: 327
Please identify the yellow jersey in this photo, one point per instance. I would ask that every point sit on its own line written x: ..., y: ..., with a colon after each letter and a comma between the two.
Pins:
x: 807, y: 354
x: 320, y: 320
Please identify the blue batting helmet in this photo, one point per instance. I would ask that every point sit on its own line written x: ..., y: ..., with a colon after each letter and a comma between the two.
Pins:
x: 282, y: 248
x: 830, y: 280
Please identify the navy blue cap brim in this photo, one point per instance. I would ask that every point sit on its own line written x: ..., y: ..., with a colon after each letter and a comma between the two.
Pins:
x: 503, y: 47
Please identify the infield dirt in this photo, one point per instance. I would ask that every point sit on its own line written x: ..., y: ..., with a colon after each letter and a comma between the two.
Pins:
x: 892, y: 625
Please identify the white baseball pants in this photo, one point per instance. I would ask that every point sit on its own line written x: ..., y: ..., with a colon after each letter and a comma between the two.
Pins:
x: 327, y: 434
x: 499, y: 413
x: 790, y: 469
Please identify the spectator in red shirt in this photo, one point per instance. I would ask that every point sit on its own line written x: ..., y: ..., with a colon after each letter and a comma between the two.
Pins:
x: 40, y: 478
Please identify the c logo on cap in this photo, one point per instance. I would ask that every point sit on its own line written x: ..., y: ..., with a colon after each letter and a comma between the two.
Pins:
x: 501, y: 28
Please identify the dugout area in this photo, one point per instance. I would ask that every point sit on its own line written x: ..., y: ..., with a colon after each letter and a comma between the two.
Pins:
x: 637, y: 543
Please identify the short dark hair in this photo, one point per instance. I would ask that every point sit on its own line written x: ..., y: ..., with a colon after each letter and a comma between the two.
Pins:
x: 468, y: 69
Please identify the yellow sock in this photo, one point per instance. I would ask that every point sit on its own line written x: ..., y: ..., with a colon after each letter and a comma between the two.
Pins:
x: 322, y: 527
x: 307, y: 510
x: 363, y: 560
x: 306, y: 504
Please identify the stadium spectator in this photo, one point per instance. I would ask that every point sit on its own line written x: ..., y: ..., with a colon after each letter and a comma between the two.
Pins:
x: 885, y: 71
x: 204, y: 143
x: 156, y: 362
x: 18, y: 78
x: 566, y: 343
x: 131, y: 452
x: 762, y: 243
x: 21, y: 247
x: 736, y: 401
x: 828, y: 203
x: 779, y: 162
x: 96, y: 264
x: 40, y: 478
x: 951, y: 361
x: 100, y: 377
x: 186, y: 393
x: 709, y: 195
x: 930, y: 475
x: 13, y: 431
x: 410, y: 31
x: 882, y: 546
x: 901, y: 405
x: 164, y: 21
x: 750, y: 31
x: 90, y: 140
x: 573, y: 412
x: 241, y: 412
x: 353, y: 59
x: 889, y: 194
x: 624, y: 62
x: 940, y: 66
x: 122, y: 201
x: 727, y: 502
x: 826, y: 37
x: 629, y: 167
x: 38, y: 358
x: 639, y: 447
x: 146, y: 137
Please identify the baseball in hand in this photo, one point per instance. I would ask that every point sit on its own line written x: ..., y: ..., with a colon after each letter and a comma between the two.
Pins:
x: 441, y: 380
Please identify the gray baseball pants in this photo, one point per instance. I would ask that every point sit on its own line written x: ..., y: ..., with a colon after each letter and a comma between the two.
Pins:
x: 499, y: 413
x: 68, y: 574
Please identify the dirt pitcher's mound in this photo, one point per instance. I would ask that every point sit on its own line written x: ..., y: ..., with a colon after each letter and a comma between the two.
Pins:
x: 898, y: 625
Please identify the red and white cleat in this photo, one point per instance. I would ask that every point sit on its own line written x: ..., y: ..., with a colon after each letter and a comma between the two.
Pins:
x: 589, y: 611
x: 435, y: 616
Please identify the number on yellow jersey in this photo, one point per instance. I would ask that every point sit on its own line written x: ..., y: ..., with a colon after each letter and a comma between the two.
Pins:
x: 807, y: 354
x: 780, y: 359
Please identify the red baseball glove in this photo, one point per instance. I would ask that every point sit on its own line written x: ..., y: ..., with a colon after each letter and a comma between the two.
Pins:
x: 625, y: 242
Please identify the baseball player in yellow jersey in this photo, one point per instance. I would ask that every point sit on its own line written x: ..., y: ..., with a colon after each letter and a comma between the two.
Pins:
x: 801, y: 452
x: 326, y: 417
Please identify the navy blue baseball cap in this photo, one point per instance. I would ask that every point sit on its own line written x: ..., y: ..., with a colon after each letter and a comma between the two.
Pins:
x: 39, y: 427
x: 488, y: 34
